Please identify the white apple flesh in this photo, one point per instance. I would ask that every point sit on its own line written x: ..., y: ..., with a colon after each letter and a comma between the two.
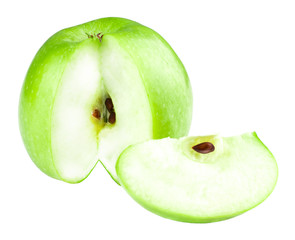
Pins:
x: 171, y: 179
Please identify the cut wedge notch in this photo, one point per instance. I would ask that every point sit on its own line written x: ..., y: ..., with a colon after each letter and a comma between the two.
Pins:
x: 171, y: 179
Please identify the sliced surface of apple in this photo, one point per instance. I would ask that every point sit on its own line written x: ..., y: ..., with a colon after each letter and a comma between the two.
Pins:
x: 198, y: 179
x: 96, y: 88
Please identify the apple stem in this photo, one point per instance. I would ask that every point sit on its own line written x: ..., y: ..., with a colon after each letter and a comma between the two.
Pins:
x: 89, y: 35
x: 99, y: 36
x: 204, y: 148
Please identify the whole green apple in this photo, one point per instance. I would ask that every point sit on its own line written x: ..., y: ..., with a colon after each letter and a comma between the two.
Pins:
x: 96, y: 88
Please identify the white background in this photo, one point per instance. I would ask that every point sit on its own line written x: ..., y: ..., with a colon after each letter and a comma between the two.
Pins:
x: 240, y: 56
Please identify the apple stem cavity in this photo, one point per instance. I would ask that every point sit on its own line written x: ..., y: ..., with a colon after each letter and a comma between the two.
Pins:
x: 204, y: 148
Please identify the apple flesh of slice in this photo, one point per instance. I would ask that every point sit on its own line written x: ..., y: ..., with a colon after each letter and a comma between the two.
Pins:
x: 198, y: 179
x: 65, y: 113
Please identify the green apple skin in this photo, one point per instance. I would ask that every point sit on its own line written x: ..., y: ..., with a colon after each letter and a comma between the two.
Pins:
x: 162, y: 73
x: 171, y: 180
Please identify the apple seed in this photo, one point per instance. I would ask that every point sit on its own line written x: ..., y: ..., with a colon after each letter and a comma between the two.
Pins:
x: 109, y: 104
x: 112, y: 117
x: 96, y: 113
x: 205, y: 147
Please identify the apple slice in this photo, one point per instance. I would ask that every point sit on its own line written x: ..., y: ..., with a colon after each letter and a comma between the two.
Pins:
x: 198, y: 179
x: 94, y: 89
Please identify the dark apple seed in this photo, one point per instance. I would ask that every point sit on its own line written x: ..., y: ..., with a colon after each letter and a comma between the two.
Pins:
x: 109, y: 104
x: 96, y: 113
x: 205, y: 147
x: 112, y: 117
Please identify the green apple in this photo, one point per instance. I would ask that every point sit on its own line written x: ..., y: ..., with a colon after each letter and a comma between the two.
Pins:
x: 96, y: 88
x: 198, y: 179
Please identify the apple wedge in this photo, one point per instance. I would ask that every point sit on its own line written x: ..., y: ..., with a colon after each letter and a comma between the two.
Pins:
x: 198, y: 179
x: 96, y: 88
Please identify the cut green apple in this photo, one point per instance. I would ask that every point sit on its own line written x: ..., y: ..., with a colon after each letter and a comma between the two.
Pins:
x: 94, y: 89
x: 198, y: 179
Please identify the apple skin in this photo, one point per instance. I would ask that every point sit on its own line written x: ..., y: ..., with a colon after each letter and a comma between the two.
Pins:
x: 164, y: 77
